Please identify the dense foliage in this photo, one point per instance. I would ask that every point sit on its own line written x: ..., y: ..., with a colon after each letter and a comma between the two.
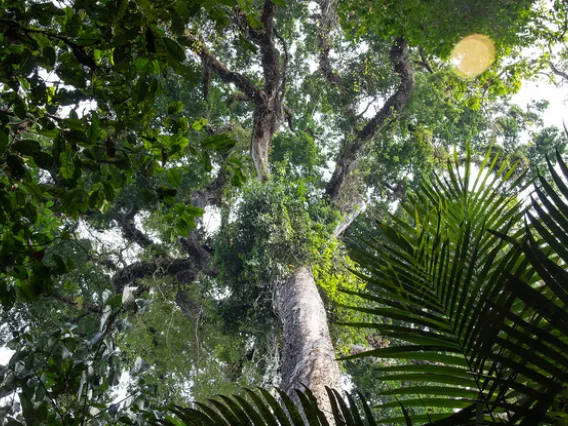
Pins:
x: 165, y: 167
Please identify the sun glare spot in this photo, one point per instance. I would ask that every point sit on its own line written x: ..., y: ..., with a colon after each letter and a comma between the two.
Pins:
x: 473, y: 55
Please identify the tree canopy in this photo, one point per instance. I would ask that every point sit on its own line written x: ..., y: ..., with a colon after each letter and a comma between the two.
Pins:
x: 178, y: 178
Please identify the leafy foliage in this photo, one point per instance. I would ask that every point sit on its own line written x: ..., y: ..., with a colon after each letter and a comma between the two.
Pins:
x: 263, y: 408
x: 108, y: 123
x: 110, y: 60
x: 474, y: 297
x: 467, y: 307
x: 438, y: 26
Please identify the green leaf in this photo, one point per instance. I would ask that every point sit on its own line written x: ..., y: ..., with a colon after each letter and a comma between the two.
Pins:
x: 198, y: 124
x: 15, y: 166
x: 20, y: 108
x: 175, y: 107
x: 114, y: 301
x: 174, y: 49
x: 94, y: 128
x: 108, y: 190
x: 174, y: 177
x: 48, y: 54
x: 220, y: 142
x: 206, y: 161
x: 3, y: 141
x: 66, y: 167
x: 19, y: 272
x: 44, y: 160
x: 26, y: 147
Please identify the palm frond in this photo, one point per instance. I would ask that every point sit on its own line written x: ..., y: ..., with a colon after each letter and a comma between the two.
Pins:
x: 264, y: 409
x: 475, y: 295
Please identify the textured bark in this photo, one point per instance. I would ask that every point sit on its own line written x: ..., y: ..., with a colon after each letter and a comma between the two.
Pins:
x: 184, y: 269
x: 557, y: 71
x: 308, y: 358
x: 265, y: 126
x: 131, y: 232
x: 268, y: 115
x: 268, y: 100
x: 326, y: 25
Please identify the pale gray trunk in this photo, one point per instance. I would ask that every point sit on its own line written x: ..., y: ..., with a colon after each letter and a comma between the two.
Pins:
x: 259, y: 152
x: 308, y: 357
x: 267, y: 120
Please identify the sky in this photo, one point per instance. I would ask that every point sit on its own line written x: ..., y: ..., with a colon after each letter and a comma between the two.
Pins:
x: 557, y: 96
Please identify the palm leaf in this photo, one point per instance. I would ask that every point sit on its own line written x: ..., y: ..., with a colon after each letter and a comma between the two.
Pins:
x: 475, y: 291
x: 262, y: 408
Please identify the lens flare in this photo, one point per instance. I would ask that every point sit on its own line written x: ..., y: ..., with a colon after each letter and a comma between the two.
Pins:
x: 473, y: 55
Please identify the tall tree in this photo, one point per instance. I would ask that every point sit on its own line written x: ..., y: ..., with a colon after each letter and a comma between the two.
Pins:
x: 181, y: 98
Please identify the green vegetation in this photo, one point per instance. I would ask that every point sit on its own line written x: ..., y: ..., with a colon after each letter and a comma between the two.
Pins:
x: 167, y: 168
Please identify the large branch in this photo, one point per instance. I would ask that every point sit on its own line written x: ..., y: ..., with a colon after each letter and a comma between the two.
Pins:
x: 270, y: 54
x: 131, y: 232
x: 184, y: 269
x: 268, y: 115
x: 395, y: 104
x: 244, y: 84
x: 557, y: 71
x: 268, y: 102
x: 354, y: 150
x: 326, y: 24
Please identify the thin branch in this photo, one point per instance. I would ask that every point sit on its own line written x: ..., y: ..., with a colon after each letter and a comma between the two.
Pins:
x: 424, y: 61
x: 359, y: 116
x: 90, y: 308
x: 284, y: 65
x: 78, y: 50
x: 289, y: 116
x: 51, y: 399
x: 119, y: 402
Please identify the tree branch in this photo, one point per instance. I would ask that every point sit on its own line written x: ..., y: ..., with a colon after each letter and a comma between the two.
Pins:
x: 78, y: 50
x: 327, y: 19
x: 284, y: 65
x: 270, y: 55
x: 183, y: 268
x: 209, y: 61
x: 91, y: 308
x: 424, y: 61
x: 557, y: 71
x: 212, y: 194
x: 131, y: 232
x: 401, y: 66
x: 353, y: 150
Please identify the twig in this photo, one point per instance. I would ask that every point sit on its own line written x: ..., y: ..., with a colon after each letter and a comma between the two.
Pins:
x: 51, y: 399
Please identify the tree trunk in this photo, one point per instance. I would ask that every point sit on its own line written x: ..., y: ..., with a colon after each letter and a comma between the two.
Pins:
x: 260, y: 145
x: 308, y: 357
x: 267, y: 120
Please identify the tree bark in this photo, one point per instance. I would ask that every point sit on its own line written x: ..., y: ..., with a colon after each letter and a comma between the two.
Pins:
x: 265, y: 126
x: 354, y: 150
x: 308, y: 357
